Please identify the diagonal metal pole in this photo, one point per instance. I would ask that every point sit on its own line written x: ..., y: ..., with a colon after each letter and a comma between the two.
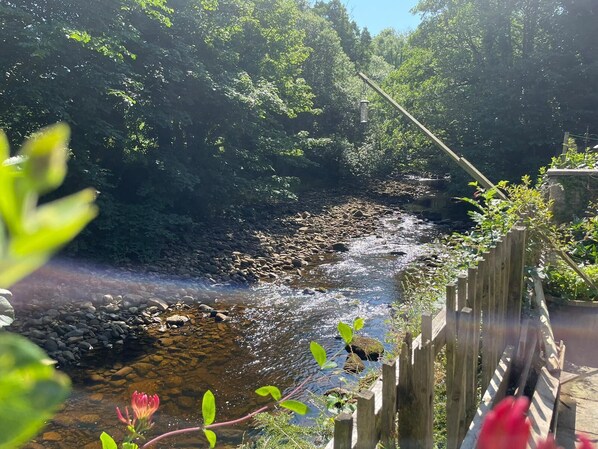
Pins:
x: 474, y: 173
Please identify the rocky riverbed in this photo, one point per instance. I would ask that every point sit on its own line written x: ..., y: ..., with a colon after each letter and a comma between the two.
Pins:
x: 71, y: 319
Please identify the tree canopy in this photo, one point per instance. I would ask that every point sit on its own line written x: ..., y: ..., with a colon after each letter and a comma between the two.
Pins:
x: 182, y: 110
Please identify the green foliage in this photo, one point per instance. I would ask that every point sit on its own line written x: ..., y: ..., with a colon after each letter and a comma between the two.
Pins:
x: 30, y: 390
x: 319, y: 353
x: 295, y: 406
x: 210, y: 436
x: 34, y: 232
x: 269, y: 391
x: 563, y: 282
x: 208, y: 408
x: 183, y: 109
x: 493, y: 217
x: 107, y: 441
x: 277, y: 431
x: 346, y: 332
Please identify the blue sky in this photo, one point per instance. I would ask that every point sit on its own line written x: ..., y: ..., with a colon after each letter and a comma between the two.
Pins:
x: 379, y: 14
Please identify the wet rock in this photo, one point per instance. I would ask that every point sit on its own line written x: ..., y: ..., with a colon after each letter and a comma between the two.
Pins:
x: 366, y: 348
x: 51, y: 436
x: 6, y: 293
x: 113, y: 308
x: 398, y: 253
x: 340, y: 247
x: 177, y: 320
x: 160, y: 303
x: 123, y: 372
x: 353, y: 364
x: 309, y: 291
x: 220, y: 317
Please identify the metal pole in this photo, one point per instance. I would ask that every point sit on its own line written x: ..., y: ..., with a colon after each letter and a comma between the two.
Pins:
x: 462, y: 162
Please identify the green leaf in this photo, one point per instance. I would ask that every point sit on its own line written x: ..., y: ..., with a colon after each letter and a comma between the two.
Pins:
x: 208, y: 408
x: 15, y: 269
x: 318, y: 352
x: 210, y: 436
x: 358, y: 324
x: 269, y: 390
x: 46, y: 152
x: 7, y: 313
x: 108, y: 442
x: 30, y: 388
x: 346, y: 332
x: 130, y: 446
x: 4, y: 147
x: 295, y: 406
x: 329, y: 365
x: 54, y: 224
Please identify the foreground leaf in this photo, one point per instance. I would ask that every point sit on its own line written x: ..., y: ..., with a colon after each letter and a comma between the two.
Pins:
x: 358, y: 324
x: 346, y: 332
x: 107, y: 441
x: 318, y: 352
x: 208, y: 408
x: 295, y: 406
x: 30, y: 390
x: 269, y: 390
x: 210, y: 436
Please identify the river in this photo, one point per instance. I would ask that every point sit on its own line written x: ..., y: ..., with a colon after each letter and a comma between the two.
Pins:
x: 266, y: 341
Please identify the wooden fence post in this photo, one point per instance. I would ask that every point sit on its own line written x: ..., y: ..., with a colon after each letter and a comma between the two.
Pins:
x: 451, y: 347
x: 423, y: 406
x: 515, y: 290
x: 456, y: 420
x: 366, y: 420
x: 405, y: 396
x: 488, y: 317
x: 389, y: 403
x: 471, y: 376
x: 343, y: 431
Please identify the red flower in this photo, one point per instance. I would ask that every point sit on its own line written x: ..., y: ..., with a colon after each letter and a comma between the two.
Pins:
x: 506, y: 426
x: 584, y: 442
x: 144, y: 407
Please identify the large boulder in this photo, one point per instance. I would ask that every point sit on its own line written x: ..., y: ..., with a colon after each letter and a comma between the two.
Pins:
x: 366, y: 348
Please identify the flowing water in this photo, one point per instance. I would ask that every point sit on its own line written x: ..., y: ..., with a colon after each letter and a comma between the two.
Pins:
x: 266, y: 342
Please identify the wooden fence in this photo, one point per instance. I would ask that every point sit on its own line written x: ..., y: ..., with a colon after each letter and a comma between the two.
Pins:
x: 479, y: 327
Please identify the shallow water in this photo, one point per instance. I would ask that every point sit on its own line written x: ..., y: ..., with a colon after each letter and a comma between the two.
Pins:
x: 265, y: 343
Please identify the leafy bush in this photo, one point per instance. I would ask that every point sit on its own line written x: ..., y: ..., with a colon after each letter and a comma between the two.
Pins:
x: 563, y: 282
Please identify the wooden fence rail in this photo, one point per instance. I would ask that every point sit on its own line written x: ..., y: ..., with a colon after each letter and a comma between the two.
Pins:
x: 478, y: 326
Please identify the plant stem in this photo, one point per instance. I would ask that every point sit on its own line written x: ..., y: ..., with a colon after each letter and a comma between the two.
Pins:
x: 225, y: 423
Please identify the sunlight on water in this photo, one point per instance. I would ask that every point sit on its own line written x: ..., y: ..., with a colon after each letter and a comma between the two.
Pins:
x: 266, y: 341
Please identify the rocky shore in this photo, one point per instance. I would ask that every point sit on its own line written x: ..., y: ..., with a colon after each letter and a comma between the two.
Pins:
x: 71, y: 318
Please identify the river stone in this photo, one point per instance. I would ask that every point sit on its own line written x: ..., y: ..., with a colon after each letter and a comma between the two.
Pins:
x: 52, y: 436
x: 366, y: 348
x: 158, y: 302
x: 340, y: 247
x: 6, y: 293
x: 221, y: 317
x: 177, y: 320
x: 123, y: 372
x: 133, y: 297
x: 353, y: 364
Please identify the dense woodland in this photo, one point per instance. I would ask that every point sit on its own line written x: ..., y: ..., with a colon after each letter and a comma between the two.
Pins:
x: 183, y: 110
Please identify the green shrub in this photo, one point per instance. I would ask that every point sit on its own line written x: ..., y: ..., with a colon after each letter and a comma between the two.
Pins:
x: 565, y: 283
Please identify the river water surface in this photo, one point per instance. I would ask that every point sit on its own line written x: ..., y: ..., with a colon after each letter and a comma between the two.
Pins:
x: 266, y: 342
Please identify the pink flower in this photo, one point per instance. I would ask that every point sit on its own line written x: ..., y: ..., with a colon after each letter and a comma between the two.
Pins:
x: 585, y: 442
x: 506, y: 426
x: 144, y: 407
